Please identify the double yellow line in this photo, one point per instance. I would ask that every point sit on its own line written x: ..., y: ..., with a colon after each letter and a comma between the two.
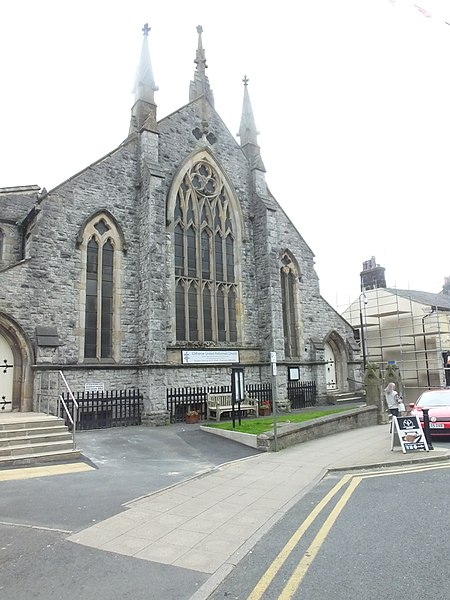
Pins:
x: 311, y: 553
x: 300, y: 571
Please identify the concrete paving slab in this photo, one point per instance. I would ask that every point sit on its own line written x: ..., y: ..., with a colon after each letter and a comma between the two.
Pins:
x: 211, y: 518
x: 163, y: 553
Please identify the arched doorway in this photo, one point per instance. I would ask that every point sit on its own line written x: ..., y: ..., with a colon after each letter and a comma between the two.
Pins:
x: 16, y: 379
x: 330, y: 367
x: 336, y: 363
x: 6, y: 375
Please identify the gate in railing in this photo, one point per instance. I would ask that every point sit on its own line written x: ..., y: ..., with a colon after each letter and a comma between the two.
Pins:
x: 302, y: 394
x: 99, y: 410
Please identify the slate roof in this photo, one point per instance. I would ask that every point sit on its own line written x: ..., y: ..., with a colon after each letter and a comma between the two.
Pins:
x: 440, y: 300
x: 16, y: 203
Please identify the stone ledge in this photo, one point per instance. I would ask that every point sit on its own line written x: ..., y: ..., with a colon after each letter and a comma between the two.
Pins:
x: 237, y: 436
x: 291, y: 434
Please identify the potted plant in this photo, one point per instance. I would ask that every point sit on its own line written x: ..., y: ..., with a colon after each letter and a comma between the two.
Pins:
x: 264, y: 408
x: 192, y: 416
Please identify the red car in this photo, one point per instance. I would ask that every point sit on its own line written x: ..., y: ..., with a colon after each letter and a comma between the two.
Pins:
x: 438, y: 401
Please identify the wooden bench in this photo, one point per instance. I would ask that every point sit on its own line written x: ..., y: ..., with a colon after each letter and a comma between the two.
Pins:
x: 221, y: 403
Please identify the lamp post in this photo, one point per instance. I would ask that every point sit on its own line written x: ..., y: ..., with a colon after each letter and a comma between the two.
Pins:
x: 362, y: 332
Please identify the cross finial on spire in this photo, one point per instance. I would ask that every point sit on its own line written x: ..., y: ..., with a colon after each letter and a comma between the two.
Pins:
x: 144, y: 86
x: 247, y: 129
x: 200, y: 85
x: 200, y: 58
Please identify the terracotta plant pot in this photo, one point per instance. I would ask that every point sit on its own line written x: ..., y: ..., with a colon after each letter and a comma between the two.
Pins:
x: 192, y: 419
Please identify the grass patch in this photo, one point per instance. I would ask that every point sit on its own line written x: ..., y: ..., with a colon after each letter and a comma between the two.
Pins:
x: 262, y: 424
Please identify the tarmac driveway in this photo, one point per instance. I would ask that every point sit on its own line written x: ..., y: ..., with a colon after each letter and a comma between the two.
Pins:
x: 129, y: 462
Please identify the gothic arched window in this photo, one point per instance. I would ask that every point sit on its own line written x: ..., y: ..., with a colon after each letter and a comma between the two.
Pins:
x: 101, y: 247
x: 289, y: 278
x: 204, y: 246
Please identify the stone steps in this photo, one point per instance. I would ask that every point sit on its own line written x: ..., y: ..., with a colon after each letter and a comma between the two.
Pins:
x: 27, y: 436
x: 338, y: 398
x: 33, y: 438
x: 349, y: 399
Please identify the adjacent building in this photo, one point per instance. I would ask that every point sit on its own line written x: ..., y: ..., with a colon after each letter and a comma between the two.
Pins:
x: 408, y: 328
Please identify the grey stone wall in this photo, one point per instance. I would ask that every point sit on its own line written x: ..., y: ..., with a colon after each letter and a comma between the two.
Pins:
x: 11, y: 245
x: 133, y: 183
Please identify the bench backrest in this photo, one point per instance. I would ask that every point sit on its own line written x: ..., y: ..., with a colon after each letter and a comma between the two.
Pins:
x: 220, y: 399
x: 225, y: 399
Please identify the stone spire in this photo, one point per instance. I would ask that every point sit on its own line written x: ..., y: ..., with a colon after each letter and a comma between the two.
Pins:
x: 248, y: 132
x: 143, y: 113
x: 200, y: 84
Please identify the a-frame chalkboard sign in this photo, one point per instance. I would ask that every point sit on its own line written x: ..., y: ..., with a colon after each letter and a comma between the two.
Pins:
x: 408, y: 433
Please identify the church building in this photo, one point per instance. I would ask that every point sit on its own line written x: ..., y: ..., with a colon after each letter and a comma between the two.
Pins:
x: 161, y: 265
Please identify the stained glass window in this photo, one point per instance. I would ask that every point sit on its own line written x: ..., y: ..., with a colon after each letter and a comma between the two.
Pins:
x: 204, y: 246
x: 100, y: 282
x: 289, y: 278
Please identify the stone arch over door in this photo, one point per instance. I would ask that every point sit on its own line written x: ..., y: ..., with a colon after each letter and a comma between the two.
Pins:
x: 336, y: 363
x: 20, y: 378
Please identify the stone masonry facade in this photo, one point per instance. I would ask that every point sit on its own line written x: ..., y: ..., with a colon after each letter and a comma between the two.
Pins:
x: 43, y: 278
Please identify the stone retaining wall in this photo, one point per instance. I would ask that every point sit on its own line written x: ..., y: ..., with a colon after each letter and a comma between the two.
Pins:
x: 290, y: 434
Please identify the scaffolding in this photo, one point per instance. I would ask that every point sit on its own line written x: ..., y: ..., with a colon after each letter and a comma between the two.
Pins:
x: 398, y: 329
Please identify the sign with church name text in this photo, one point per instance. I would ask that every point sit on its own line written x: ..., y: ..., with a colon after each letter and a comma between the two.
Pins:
x: 190, y: 357
x: 408, y: 433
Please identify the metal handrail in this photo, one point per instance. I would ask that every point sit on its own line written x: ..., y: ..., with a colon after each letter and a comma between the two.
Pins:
x: 73, y: 419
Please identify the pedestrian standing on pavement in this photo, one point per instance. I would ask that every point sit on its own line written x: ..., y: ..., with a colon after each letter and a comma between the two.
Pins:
x: 392, y: 399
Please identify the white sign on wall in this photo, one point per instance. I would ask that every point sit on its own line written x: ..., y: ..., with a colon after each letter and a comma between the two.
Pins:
x: 190, y: 357
x: 94, y: 387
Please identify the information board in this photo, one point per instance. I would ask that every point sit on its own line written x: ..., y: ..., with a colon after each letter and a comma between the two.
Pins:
x: 408, y: 433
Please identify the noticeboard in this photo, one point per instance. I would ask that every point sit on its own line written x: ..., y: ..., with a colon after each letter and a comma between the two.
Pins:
x: 408, y: 433
x: 294, y: 373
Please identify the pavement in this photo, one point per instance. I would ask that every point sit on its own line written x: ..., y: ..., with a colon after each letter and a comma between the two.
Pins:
x: 207, y: 523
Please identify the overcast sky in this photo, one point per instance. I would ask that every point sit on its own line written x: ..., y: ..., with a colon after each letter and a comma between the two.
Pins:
x: 351, y: 98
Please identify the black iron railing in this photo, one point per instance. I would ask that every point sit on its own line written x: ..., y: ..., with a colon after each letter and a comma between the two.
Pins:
x: 302, y: 394
x: 99, y: 410
x: 180, y: 400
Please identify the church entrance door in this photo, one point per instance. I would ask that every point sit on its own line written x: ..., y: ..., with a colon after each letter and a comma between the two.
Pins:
x: 330, y: 367
x: 6, y: 375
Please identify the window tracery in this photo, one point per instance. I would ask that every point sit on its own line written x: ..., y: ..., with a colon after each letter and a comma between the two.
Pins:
x: 204, y: 246
x: 101, y: 247
x: 289, y: 277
